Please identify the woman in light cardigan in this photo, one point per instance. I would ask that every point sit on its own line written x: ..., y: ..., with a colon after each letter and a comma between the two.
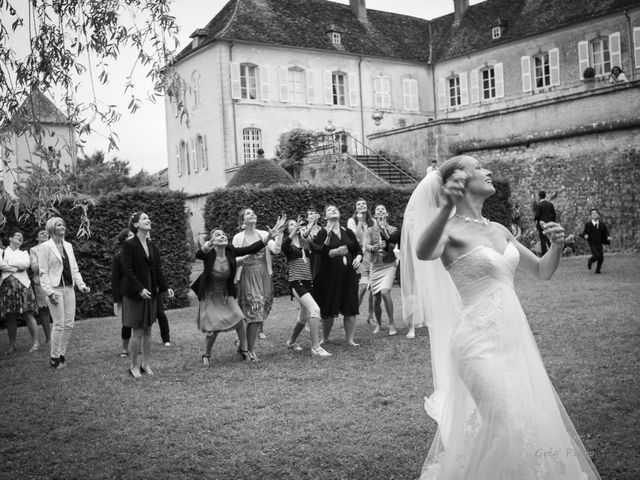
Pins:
x: 59, y: 274
x: 16, y: 296
x: 255, y: 288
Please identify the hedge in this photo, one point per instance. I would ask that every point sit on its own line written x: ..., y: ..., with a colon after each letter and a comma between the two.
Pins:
x: 169, y: 226
x: 222, y: 207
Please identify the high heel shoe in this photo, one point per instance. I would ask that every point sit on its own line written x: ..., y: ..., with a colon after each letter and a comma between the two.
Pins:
x: 252, y: 356
x: 206, y: 359
x: 135, y: 372
x: 244, y: 354
x: 146, y: 370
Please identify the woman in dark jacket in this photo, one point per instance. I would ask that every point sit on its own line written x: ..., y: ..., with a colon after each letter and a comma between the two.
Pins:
x: 218, y: 310
x: 143, y: 282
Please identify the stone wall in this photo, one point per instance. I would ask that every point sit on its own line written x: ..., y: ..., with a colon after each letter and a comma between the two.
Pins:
x: 578, y: 173
x: 336, y: 169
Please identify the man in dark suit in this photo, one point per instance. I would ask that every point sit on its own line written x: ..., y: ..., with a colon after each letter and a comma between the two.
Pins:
x: 545, y: 212
x: 596, y: 233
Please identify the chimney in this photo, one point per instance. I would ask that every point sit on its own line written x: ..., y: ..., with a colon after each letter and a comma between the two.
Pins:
x: 359, y: 9
x: 459, y: 9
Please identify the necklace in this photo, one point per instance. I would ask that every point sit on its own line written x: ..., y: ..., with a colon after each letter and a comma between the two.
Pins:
x: 481, y: 220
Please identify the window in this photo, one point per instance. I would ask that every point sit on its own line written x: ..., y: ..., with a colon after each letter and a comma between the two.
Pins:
x: 183, y: 165
x: 454, y: 91
x: 542, y: 70
x: 195, y: 88
x: 600, y: 56
x: 601, y: 53
x: 496, y: 32
x: 382, y: 92
x: 251, y: 143
x: 248, y: 82
x: 201, y: 152
x: 338, y: 88
x: 410, y: 92
x: 488, y: 83
x: 335, y: 38
x: 296, y: 85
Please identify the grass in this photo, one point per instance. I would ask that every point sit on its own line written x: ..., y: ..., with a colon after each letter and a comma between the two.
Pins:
x: 356, y: 415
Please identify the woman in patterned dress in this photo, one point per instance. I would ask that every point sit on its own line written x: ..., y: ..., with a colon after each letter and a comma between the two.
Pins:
x: 253, y: 276
x: 16, y: 296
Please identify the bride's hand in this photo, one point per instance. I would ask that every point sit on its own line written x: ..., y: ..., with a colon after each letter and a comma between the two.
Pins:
x: 554, y: 232
x: 454, y: 188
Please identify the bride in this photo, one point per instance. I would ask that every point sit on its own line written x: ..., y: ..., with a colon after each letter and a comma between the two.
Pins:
x: 499, y: 417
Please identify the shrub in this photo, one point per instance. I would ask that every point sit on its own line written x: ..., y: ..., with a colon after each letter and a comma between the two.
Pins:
x: 260, y: 173
x: 589, y: 72
x: 222, y: 207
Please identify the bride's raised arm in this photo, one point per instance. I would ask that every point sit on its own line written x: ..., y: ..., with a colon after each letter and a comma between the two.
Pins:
x: 433, y: 240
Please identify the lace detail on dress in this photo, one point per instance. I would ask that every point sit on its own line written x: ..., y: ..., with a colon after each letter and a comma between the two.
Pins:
x: 484, y: 312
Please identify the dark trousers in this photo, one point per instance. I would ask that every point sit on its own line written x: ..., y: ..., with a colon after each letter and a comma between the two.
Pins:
x: 545, y: 243
x: 597, y: 255
x: 163, y: 323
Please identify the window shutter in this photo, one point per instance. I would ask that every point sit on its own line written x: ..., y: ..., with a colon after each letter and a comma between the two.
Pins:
x: 328, y: 88
x: 235, y: 80
x: 636, y: 46
x: 583, y: 57
x: 205, y: 153
x: 264, y: 84
x: 406, y: 88
x: 377, y: 92
x: 311, y: 91
x: 415, y: 95
x: 442, y: 94
x: 194, y: 157
x: 525, y: 66
x: 178, y: 160
x: 614, y: 48
x: 353, y: 89
x: 475, y: 90
x: 386, y: 92
x: 283, y: 82
x: 464, y: 89
x: 498, y: 71
x: 554, y: 65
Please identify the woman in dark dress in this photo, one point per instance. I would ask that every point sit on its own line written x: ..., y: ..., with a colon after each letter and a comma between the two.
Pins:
x: 143, y: 282
x: 335, y: 286
x: 218, y: 309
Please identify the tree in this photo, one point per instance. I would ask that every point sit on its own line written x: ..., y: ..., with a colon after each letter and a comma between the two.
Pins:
x: 68, y: 39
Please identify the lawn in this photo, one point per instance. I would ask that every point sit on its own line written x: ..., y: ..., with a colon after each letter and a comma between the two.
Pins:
x: 356, y: 415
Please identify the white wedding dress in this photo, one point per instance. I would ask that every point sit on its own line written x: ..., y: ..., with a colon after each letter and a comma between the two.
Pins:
x: 499, y: 417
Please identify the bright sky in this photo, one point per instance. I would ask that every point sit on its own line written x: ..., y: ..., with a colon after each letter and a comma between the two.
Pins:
x: 143, y: 134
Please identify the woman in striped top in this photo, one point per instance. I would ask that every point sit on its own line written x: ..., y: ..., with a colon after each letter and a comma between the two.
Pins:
x: 297, y: 250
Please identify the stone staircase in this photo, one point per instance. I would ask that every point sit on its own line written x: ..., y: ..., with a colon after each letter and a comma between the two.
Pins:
x: 386, y: 169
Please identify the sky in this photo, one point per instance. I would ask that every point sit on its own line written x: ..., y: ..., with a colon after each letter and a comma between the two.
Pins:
x: 142, y: 135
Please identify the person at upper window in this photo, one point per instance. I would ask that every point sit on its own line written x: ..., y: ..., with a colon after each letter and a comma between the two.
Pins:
x: 617, y: 76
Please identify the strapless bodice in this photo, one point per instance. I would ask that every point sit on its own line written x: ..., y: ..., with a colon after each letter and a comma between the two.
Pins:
x: 481, y: 270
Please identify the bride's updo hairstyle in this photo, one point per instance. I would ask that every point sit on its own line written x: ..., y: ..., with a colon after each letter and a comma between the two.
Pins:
x: 451, y: 165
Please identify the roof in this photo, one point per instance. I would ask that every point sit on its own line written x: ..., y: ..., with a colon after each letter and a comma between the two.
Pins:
x: 304, y: 23
x: 523, y: 18
x: 44, y: 110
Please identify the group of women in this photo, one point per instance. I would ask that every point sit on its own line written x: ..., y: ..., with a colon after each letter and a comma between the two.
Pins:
x: 330, y: 269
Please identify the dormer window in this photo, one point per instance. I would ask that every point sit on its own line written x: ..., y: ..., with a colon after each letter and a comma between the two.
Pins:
x: 498, y: 29
x: 198, y: 37
x: 336, y: 38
